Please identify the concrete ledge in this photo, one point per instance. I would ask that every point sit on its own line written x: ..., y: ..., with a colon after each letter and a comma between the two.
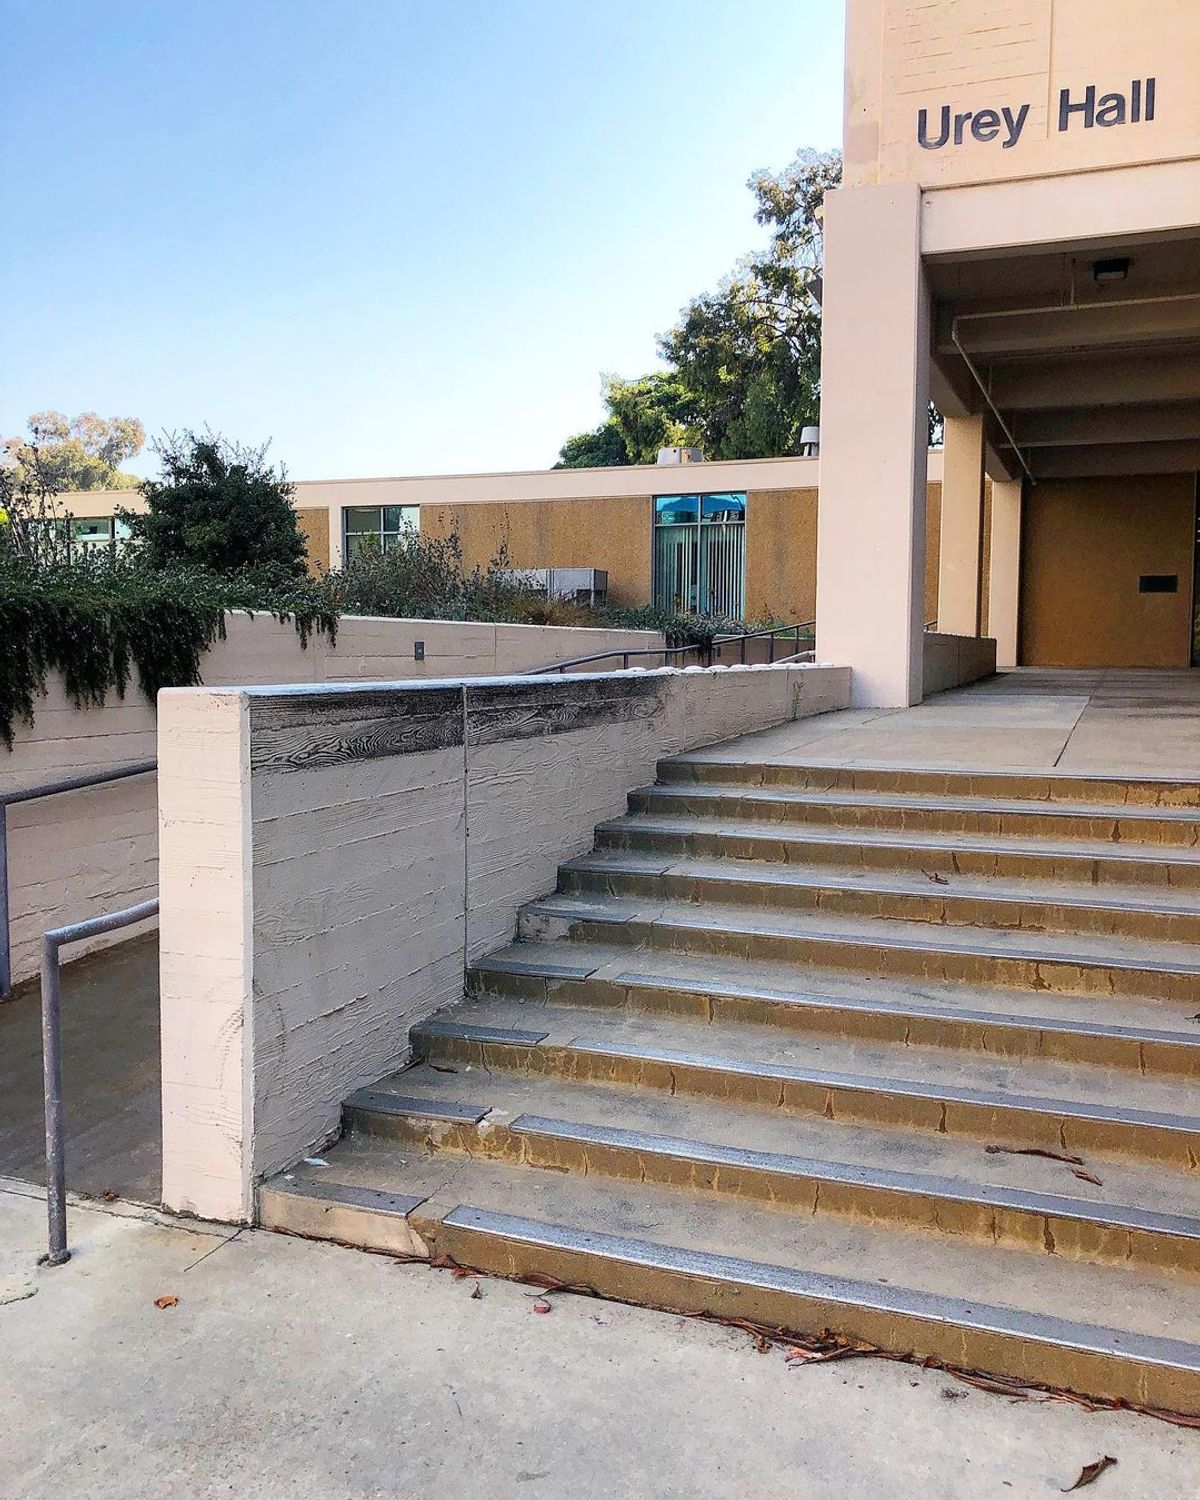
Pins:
x: 333, y: 856
x: 954, y: 660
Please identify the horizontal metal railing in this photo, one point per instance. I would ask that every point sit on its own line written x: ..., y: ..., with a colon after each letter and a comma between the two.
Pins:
x: 30, y: 794
x: 705, y: 650
x: 56, y: 1169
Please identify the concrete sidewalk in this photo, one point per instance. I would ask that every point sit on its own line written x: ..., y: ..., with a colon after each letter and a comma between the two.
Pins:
x: 289, y: 1368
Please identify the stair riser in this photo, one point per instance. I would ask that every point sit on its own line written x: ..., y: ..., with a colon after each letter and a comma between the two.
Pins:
x: 960, y: 1345
x: 1152, y: 833
x: 983, y: 1121
x: 1049, y: 976
x: 815, y: 1195
x: 828, y: 1018
x: 939, y: 907
x: 1002, y: 864
x: 934, y: 783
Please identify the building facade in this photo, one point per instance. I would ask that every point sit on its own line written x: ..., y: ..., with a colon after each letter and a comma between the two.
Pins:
x: 1018, y: 236
x: 738, y: 539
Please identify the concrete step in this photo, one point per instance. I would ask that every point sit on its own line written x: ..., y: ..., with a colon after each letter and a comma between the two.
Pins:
x: 1162, y: 827
x: 1077, y: 1109
x: 715, y: 767
x: 1051, y: 962
x: 1105, y: 1332
x: 810, y: 1166
x: 1145, y: 1036
x: 952, y: 900
x: 1172, y: 871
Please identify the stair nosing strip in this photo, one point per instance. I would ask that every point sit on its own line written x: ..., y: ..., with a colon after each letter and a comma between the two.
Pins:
x: 685, y: 921
x: 1149, y: 1349
x: 821, y: 880
x: 874, y: 1084
x: 1021, y: 807
x: 1059, y: 1024
x: 388, y: 1102
x: 464, y: 1032
x: 347, y: 1195
x: 905, y: 838
x: 883, y: 1179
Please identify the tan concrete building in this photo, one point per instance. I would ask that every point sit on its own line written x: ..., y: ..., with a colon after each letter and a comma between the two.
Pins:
x: 751, y: 555
x: 1019, y: 237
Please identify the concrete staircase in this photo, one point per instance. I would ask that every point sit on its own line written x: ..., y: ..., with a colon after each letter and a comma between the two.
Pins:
x: 909, y: 1056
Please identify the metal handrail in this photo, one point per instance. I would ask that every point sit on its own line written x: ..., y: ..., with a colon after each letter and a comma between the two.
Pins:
x: 30, y: 794
x: 705, y: 649
x: 57, y: 938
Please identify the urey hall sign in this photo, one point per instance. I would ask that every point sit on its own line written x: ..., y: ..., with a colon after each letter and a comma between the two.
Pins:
x: 1087, y: 110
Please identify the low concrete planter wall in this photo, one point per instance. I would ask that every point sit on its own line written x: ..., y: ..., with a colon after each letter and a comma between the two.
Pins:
x: 954, y: 660
x: 89, y: 852
x: 332, y: 858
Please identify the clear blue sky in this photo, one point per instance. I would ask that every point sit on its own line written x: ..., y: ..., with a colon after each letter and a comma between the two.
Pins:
x: 396, y: 238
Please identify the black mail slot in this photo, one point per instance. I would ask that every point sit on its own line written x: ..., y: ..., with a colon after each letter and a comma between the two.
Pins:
x: 1158, y: 583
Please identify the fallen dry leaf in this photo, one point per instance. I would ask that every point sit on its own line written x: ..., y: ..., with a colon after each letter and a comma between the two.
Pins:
x: 167, y: 1301
x: 541, y: 1306
x: 1091, y: 1472
x: 1086, y: 1176
x: 1072, y: 1161
x: 460, y: 1273
x: 936, y: 878
x: 476, y: 1293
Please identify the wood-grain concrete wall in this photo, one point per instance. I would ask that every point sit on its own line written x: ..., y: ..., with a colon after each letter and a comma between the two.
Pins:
x: 85, y: 853
x: 333, y: 857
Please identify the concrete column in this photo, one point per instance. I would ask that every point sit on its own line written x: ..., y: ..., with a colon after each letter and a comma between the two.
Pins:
x: 874, y: 440
x: 962, y: 515
x: 1004, y: 576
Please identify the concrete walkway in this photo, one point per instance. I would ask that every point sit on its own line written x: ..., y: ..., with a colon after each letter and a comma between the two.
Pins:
x: 1121, y: 722
x: 289, y: 1368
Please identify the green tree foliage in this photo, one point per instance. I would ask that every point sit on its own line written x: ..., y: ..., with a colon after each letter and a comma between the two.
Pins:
x: 83, y: 454
x: 657, y: 411
x: 601, y: 448
x: 219, y: 506
x: 744, y: 361
x: 750, y: 352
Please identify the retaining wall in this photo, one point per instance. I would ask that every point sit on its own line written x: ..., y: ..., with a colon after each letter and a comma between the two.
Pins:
x: 333, y: 857
x: 84, y: 853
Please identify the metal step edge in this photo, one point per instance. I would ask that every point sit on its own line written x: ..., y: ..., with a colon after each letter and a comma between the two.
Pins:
x: 878, y: 1179
x: 388, y: 1102
x: 921, y: 802
x: 871, y: 1084
x: 821, y: 878
x: 984, y: 773
x: 679, y: 922
x: 632, y: 979
x: 1020, y: 846
x: 927, y: 1307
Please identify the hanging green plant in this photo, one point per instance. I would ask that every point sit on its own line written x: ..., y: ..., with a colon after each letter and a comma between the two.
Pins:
x: 101, y: 621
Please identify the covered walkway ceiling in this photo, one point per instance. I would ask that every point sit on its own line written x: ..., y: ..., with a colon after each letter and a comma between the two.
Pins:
x: 1086, y: 361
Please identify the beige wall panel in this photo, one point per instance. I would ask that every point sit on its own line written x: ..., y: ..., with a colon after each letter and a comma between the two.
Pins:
x: 314, y: 523
x: 327, y: 881
x: 1084, y: 546
x: 979, y: 55
x: 205, y: 946
x: 781, y: 555
x: 611, y: 533
x: 933, y: 548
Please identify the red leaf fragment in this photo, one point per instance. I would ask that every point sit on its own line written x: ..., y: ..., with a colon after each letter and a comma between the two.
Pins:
x: 1091, y: 1472
x: 1086, y: 1177
x: 541, y: 1306
x: 167, y: 1301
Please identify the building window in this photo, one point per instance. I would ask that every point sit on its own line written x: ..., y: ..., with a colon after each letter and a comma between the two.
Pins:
x: 386, y: 523
x: 86, y: 534
x: 700, y: 554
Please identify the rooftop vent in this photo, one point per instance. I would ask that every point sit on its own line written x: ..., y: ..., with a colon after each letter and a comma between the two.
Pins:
x: 680, y: 456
